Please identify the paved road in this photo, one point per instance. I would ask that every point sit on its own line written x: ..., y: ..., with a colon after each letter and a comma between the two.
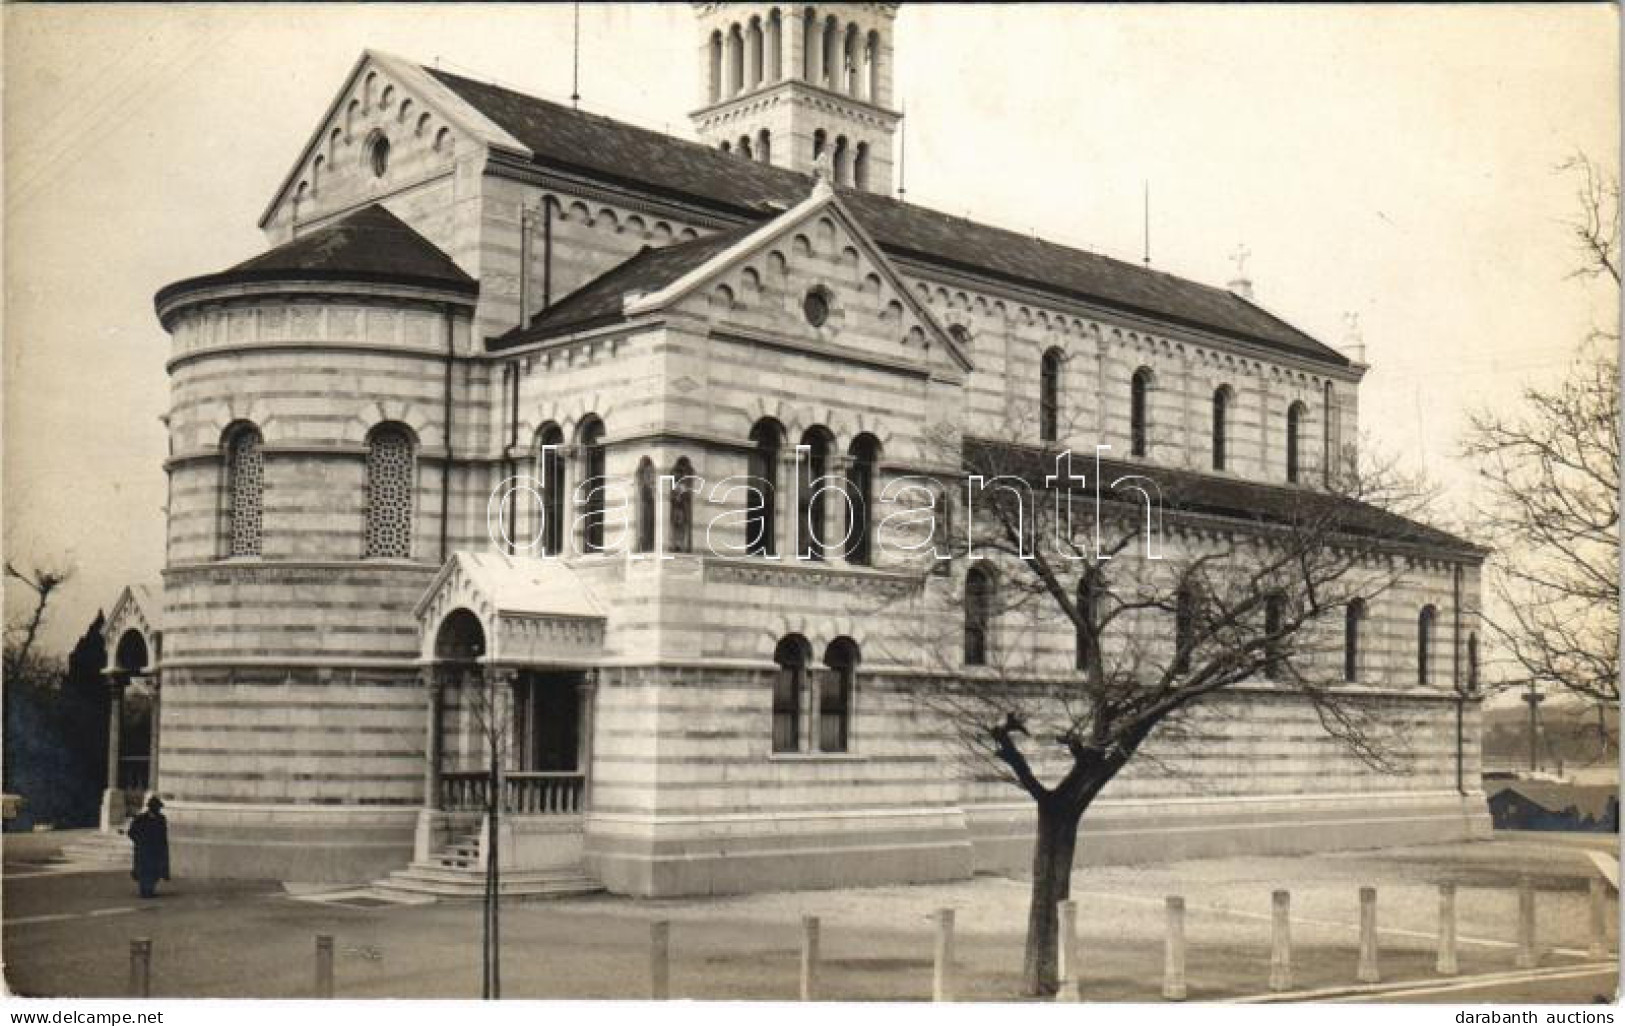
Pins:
x: 68, y: 934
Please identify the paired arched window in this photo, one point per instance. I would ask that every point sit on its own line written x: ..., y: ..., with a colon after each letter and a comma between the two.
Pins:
x: 644, y: 486
x: 762, y: 516
x: 1353, y: 624
x: 550, y: 473
x: 590, y: 437
x: 860, y: 486
x: 835, y: 695
x: 1221, y: 425
x: 681, y: 526
x: 978, y: 615
x: 244, y: 492
x: 810, y: 524
x: 1139, y: 413
x: 391, y: 474
x: 1049, y: 396
x: 1274, y: 622
x: 789, y: 686
x: 1294, y: 435
x: 1425, y: 621
x: 1184, y: 628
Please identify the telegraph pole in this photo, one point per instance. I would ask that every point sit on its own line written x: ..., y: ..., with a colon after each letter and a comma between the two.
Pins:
x: 1533, y: 697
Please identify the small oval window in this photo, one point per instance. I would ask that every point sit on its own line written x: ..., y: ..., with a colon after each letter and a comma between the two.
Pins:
x: 380, y: 156
x: 816, y: 307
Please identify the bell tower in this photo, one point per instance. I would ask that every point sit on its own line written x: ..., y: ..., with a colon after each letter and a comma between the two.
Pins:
x: 783, y: 84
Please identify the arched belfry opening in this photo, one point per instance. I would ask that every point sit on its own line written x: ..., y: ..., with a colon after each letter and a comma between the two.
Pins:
x: 793, y: 73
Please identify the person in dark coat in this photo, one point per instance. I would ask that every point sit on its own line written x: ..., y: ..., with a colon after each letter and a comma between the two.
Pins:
x: 149, y: 832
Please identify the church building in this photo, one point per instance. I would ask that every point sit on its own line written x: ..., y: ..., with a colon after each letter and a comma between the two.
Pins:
x: 463, y: 455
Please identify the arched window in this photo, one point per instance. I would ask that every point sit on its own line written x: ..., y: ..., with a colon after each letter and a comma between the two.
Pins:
x: 1184, y: 628
x: 764, y: 146
x: 244, y: 492
x: 714, y: 68
x: 843, y: 161
x: 812, y: 46
x: 820, y: 140
x: 789, y: 685
x: 682, y: 507
x: 1294, y: 432
x: 849, y: 61
x: 835, y: 695
x: 1089, y: 612
x: 754, y: 54
x: 645, y: 485
x: 1472, y: 664
x: 1424, y: 644
x: 590, y: 438
x: 978, y: 615
x: 871, y: 65
x: 810, y: 527
x: 832, y: 53
x: 1138, y: 412
x: 860, y: 487
x: 761, y: 518
x: 550, y: 472
x: 775, y: 45
x: 736, y: 61
x: 744, y: 148
x: 1049, y: 396
x: 1221, y: 425
x: 860, y: 166
x: 1353, y: 623
x: 1274, y: 621
x: 1329, y: 429
x: 390, y: 484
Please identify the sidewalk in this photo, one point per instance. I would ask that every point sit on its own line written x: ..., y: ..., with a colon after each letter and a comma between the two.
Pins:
x: 254, y: 940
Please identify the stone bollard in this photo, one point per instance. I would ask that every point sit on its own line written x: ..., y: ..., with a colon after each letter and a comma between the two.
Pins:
x: 141, y: 967
x: 1528, y: 956
x: 1066, y: 914
x: 809, y: 958
x: 1173, y: 951
x: 1446, y: 964
x: 1280, y: 941
x: 659, y: 960
x: 1599, y: 919
x: 324, y: 965
x: 942, y: 984
x: 1368, y: 936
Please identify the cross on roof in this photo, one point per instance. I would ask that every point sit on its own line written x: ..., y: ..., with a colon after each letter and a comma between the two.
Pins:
x: 1239, y: 258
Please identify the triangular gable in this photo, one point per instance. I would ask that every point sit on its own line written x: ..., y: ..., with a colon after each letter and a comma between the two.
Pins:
x: 535, y: 610
x: 413, y: 81
x: 823, y: 200
x: 139, y: 607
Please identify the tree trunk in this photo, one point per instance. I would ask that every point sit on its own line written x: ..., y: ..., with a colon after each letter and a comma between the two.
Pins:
x: 1052, y: 883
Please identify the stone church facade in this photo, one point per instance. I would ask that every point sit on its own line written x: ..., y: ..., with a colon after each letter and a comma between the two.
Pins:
x: 465, y: 285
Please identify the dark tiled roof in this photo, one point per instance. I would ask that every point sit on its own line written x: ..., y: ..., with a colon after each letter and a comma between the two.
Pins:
x: 651, y: 162
x: 600, y: 301
x: 370, y: 245
x: 1586, y: 799
x: 1193, y: 492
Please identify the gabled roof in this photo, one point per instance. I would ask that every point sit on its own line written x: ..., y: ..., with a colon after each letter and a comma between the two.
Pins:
x: 573, y: 140
x: 370, y: 245
x: 516, y: 586
x: 602, y: 300
x: 1188, y: 491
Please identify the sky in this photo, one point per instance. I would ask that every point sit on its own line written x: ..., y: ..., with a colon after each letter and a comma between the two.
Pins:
x: 1396, y: 162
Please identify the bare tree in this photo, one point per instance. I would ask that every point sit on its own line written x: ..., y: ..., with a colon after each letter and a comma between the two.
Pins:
x: 1551, y: 473
x: 1101, y: 625
x: 43, y: 583
x: 483, y: 697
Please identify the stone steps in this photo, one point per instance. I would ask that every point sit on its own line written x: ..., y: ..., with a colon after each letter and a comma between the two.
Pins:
x: 97, y: 850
